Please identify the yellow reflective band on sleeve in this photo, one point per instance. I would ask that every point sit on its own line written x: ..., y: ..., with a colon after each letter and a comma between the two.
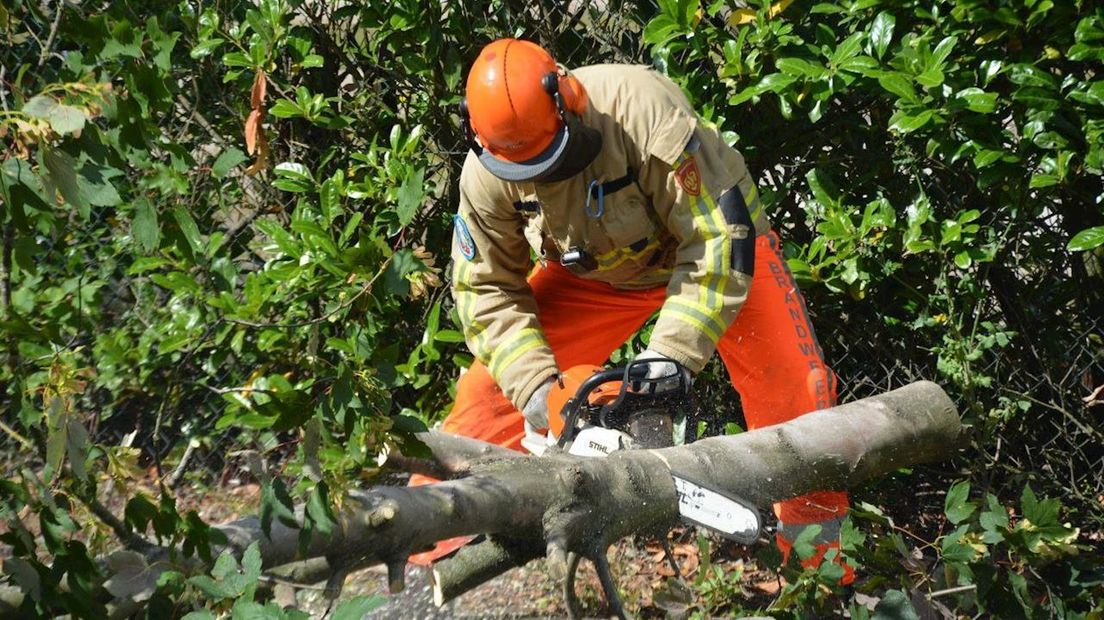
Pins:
x: 692, y: 320
x: 474, y: 331
x: 516, y: 345
x: 722, y: 249
x: 708, y: 320
x: 754, y: 205
x: 708, y: 220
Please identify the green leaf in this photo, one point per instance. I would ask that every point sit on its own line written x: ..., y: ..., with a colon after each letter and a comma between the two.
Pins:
x: 294, y: 177
x: 848, y: 48
x: 63, y: 174
x: 956, y: 506
x: 660, y: 30
x: 963, y: 260
x: 205, y: 48
x: 227, y: 161
x: 131, y: 577
x: 800, y: 68
x: 96, y: 188
x: 144, y: 227
x: 25, y: 576
x: 823, y: 187
x: 411, y: 195
x: 895, y: 605
x: 881, y: 32
x: 251, y: 561
x: 987, y: 157
x: 1039, y: 181
x: 448, y: 335
x: 40, y: 106
x: 1087, y: 239
x: 237, y: 59
x: 995, y: 516
x: 284, y: 108
x: 329, y: 199
x: 906, y: 123
x: 66, y: 119
x: 1041, y: 513
x: 978, y: 100
x: 931, y: 77
x: 899, y: 84
x: 319, y: 509
x: 77, y: 445
x: 943, y: 50
x: 210, y: 588
x: 189, y: 228
x: 276, y: 503
x: 358, y: 607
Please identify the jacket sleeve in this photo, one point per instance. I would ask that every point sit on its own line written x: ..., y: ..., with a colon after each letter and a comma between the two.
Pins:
x: 493, y: 300
x: 704, y: 204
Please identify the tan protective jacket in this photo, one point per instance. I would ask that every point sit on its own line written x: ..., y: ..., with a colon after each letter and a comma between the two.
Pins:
x: 659, y: 224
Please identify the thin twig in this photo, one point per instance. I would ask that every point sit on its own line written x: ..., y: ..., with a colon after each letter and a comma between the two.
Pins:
x: 950, y: 591
x: 1069, y: 416
x: 16, y: 436
x: 182, y: 466
x: 53, y: 33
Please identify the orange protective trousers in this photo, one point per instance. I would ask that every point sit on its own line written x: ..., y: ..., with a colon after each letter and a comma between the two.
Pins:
x: 770, y: 351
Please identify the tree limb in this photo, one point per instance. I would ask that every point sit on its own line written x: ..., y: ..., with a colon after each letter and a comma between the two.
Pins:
x: 570, y: 507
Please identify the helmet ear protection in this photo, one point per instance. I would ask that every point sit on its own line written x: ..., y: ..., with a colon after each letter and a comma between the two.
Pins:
x: 564, y: 88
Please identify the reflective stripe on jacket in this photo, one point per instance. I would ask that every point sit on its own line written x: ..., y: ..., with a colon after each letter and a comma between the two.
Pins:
x: 645, y: 211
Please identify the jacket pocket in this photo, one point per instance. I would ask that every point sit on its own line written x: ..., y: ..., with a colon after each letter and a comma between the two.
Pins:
x: 627, y: 219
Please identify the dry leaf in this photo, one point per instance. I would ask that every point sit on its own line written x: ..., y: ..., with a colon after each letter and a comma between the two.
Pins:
x: 257, y: 94
x: 252, y: 128
x: 262, y: 155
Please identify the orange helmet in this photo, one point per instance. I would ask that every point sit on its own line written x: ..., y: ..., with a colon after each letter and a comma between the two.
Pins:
x: 523, y: 111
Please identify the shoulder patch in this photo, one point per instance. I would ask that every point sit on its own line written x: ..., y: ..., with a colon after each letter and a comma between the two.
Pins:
x: 464, y: 239
x: 688, y: 176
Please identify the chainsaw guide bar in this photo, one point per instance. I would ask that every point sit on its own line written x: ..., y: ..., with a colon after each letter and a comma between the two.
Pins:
x: 727, y: 515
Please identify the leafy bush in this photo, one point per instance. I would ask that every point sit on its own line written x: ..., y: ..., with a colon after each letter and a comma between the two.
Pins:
x: 222, y: 230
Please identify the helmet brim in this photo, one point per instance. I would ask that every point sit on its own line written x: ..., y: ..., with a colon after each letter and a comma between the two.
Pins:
x: 533, y: 169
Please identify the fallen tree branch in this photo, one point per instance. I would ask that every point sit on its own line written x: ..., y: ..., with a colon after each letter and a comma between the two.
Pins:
x: 580, y: 505
x: 569, y: 507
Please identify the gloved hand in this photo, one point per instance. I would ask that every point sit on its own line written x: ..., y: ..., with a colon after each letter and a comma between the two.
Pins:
x: 664, y: 369
x: 535, y: 412
x: 536, y: 409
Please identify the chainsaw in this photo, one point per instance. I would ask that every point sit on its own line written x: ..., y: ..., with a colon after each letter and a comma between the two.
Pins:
x: 595, y: 412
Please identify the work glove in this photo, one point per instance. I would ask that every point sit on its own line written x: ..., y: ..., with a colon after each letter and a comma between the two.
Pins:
x: 663, y: 371
x: 536, y: 409
x: 535, y: 412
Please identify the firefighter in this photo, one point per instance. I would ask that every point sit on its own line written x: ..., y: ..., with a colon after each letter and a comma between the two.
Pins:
x: 590, y: 200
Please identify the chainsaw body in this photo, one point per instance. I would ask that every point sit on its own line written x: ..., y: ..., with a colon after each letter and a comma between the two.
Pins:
x: 601, y: 411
